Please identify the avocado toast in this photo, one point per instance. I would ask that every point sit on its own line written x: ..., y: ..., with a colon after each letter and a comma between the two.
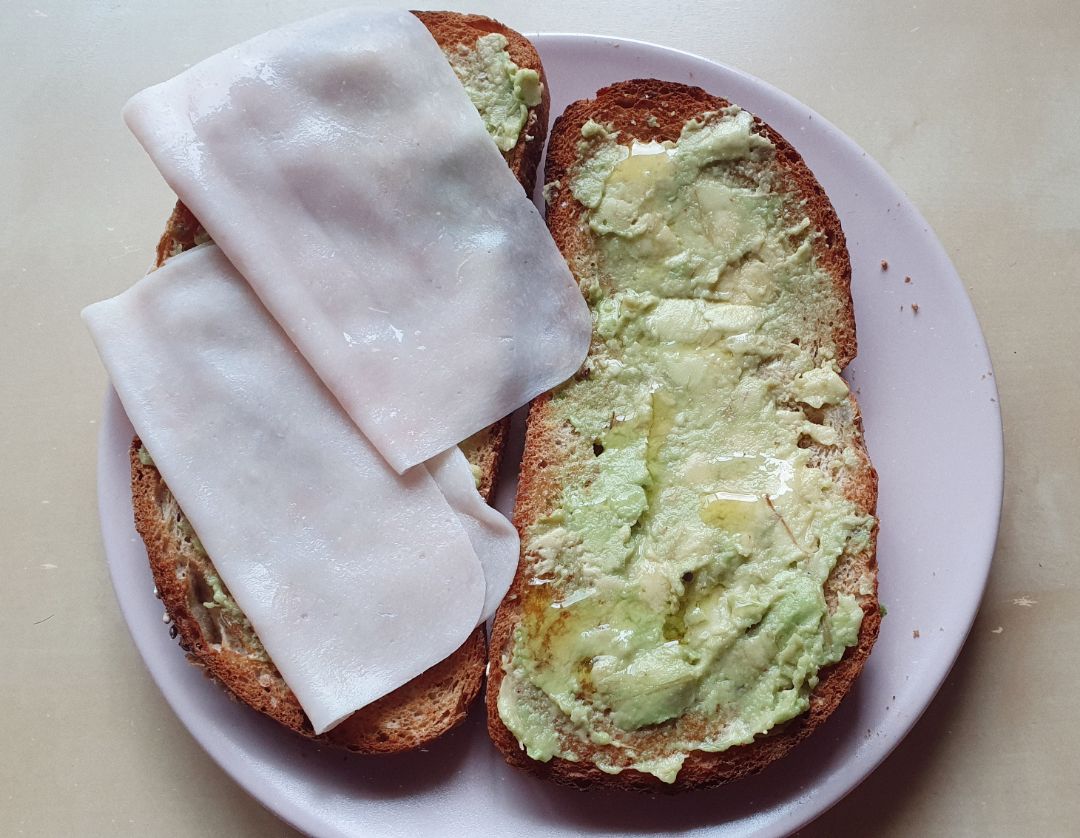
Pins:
x: 503, y: 75
x: 698, y: 586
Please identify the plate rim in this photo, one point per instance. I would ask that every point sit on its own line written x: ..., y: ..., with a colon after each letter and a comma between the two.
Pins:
x: 304, y: 818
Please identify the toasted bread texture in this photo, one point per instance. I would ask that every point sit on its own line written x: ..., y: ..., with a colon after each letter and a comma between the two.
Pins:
x: 208, y: 625
x: 649, y: 110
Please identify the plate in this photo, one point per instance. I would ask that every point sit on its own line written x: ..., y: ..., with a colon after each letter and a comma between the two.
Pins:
x: 924, y: 380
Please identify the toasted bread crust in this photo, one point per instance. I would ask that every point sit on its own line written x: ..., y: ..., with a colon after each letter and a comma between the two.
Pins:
x: 438, y: 699
x: 654, y: 110
x: 452, y: 29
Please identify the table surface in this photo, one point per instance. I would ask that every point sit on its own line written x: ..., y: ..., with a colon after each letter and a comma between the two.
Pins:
x: 972, y: 108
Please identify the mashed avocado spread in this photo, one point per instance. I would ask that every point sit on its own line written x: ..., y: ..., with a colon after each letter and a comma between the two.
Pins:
x: 209, y: 601
x: 500, y: 90
x: 676, y: 596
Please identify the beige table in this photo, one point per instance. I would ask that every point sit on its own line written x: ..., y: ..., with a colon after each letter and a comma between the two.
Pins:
x: 975, y: 112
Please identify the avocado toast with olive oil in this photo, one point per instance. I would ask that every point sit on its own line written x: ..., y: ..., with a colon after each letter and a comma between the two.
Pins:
x: 504, y: 77
x: 698, y: 582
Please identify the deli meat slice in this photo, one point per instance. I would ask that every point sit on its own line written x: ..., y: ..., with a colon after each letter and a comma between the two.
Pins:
x: 493, y: 537
x: 342, y: 169
x: 355, y: 578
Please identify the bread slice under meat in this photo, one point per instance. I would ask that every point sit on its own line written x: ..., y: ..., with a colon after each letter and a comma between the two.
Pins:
x: 648, y: 110
x: 221, y: 641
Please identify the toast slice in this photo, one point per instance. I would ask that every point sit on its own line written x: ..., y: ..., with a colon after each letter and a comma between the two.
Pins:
x: 556, y: 456
x: 212, y: 629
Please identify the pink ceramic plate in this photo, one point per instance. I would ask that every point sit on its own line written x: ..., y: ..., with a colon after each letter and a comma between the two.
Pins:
x: 934, y: 431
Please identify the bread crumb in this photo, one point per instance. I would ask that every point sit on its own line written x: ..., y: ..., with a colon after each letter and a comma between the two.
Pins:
x: 915, y: 634
x: 907, y: 279
x: 998, y: 630
x: 914, y: 308
x: 884, y: 264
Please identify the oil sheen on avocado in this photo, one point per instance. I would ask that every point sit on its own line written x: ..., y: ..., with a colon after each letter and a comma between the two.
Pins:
x: 676, y: 599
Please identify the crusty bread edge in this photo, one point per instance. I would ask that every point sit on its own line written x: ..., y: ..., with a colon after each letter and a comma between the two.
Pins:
x: 618, y: 104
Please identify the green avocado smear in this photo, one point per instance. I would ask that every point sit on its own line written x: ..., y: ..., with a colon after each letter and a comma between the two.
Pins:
x: 500, y: 90
x: 676, y: 593
x: 209, y: 601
